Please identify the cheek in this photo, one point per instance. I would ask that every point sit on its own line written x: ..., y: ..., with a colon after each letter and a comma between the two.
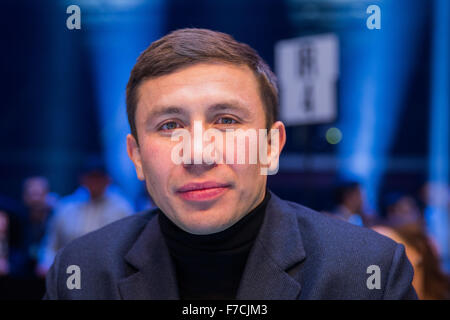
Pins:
x: 248, y: 175
x: 237, y: 148
x: 156, y: 163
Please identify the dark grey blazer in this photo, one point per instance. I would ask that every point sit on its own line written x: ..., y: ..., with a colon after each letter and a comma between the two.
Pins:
x: 298, y: 254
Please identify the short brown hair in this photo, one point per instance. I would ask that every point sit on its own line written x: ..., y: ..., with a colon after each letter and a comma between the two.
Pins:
x: 186, y: 47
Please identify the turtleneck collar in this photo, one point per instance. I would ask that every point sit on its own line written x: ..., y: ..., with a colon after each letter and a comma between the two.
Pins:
x: 210, y: 266
x: 241, y: 233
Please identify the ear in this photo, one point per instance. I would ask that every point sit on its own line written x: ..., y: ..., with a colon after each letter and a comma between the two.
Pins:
x: 135, y: 155
x: 277, y: 132
x: 281, y: 136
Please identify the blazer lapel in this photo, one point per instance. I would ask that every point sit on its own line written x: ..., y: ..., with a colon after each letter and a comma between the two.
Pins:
x: 272, y: 270
x: 155, y: 277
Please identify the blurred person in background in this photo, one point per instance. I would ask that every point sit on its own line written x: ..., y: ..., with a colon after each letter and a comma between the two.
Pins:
x: 429, y: 281
x: 32, y: 224
x: 11, y: 260
x: 4, y: 243
x: 93, y: 205
x: 401, y: 209
x: 349, y: 203
x: 432, y: 188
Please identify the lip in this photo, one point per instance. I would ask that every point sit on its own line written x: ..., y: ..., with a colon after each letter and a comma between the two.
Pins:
x: 202, y: 191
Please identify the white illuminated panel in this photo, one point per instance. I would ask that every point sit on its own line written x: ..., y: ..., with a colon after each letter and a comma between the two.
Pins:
x: 307, y: 70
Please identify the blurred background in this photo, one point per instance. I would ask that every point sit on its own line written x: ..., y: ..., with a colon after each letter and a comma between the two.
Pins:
x: 364, y: 89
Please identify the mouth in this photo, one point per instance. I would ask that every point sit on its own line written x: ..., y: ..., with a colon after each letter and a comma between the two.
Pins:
x: 204, y: 191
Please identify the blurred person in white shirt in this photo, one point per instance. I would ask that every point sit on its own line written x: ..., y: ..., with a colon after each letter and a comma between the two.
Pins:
x: 92, y: 206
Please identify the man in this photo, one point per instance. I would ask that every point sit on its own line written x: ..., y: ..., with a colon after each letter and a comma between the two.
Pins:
x: 349, y: 203
x: 6, y: 209
x: 401, y: 209
x: 218, y: 232
x: 31, y: 224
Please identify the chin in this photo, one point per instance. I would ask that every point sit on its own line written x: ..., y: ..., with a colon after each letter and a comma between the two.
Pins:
x: 204, y: 228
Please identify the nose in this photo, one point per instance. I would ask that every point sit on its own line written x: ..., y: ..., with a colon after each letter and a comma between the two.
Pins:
x: 201, y: 152
x: 198, y: 169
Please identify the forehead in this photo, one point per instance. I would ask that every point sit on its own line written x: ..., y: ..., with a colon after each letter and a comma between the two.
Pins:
x: 202, y: 85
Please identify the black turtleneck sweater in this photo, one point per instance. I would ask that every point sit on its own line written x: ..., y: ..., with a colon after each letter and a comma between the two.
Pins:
x: 210, y: 266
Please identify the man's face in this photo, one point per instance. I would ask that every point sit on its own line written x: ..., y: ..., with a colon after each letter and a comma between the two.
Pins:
x: 357, y: 199
x: 35, y: 193
x: 218, y: 96
x: 96, y: 182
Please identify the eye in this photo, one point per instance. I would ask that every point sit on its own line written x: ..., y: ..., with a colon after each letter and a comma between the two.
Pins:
x: 171, y: 125
x: 226, y: 120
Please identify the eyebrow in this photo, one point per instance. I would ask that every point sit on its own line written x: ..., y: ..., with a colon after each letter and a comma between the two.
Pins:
x: 164, y: 111
x: 161, y: 111
x: 233, y: 106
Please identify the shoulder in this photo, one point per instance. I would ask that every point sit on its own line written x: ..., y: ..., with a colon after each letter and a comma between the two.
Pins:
x: 106, y: 244
x: 99, y: 257
x: 337, y: 237
x: 340, y: 258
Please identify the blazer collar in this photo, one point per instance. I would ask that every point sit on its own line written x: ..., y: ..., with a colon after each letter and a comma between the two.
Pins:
x: 270, y: 272
x: 155, y: 277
